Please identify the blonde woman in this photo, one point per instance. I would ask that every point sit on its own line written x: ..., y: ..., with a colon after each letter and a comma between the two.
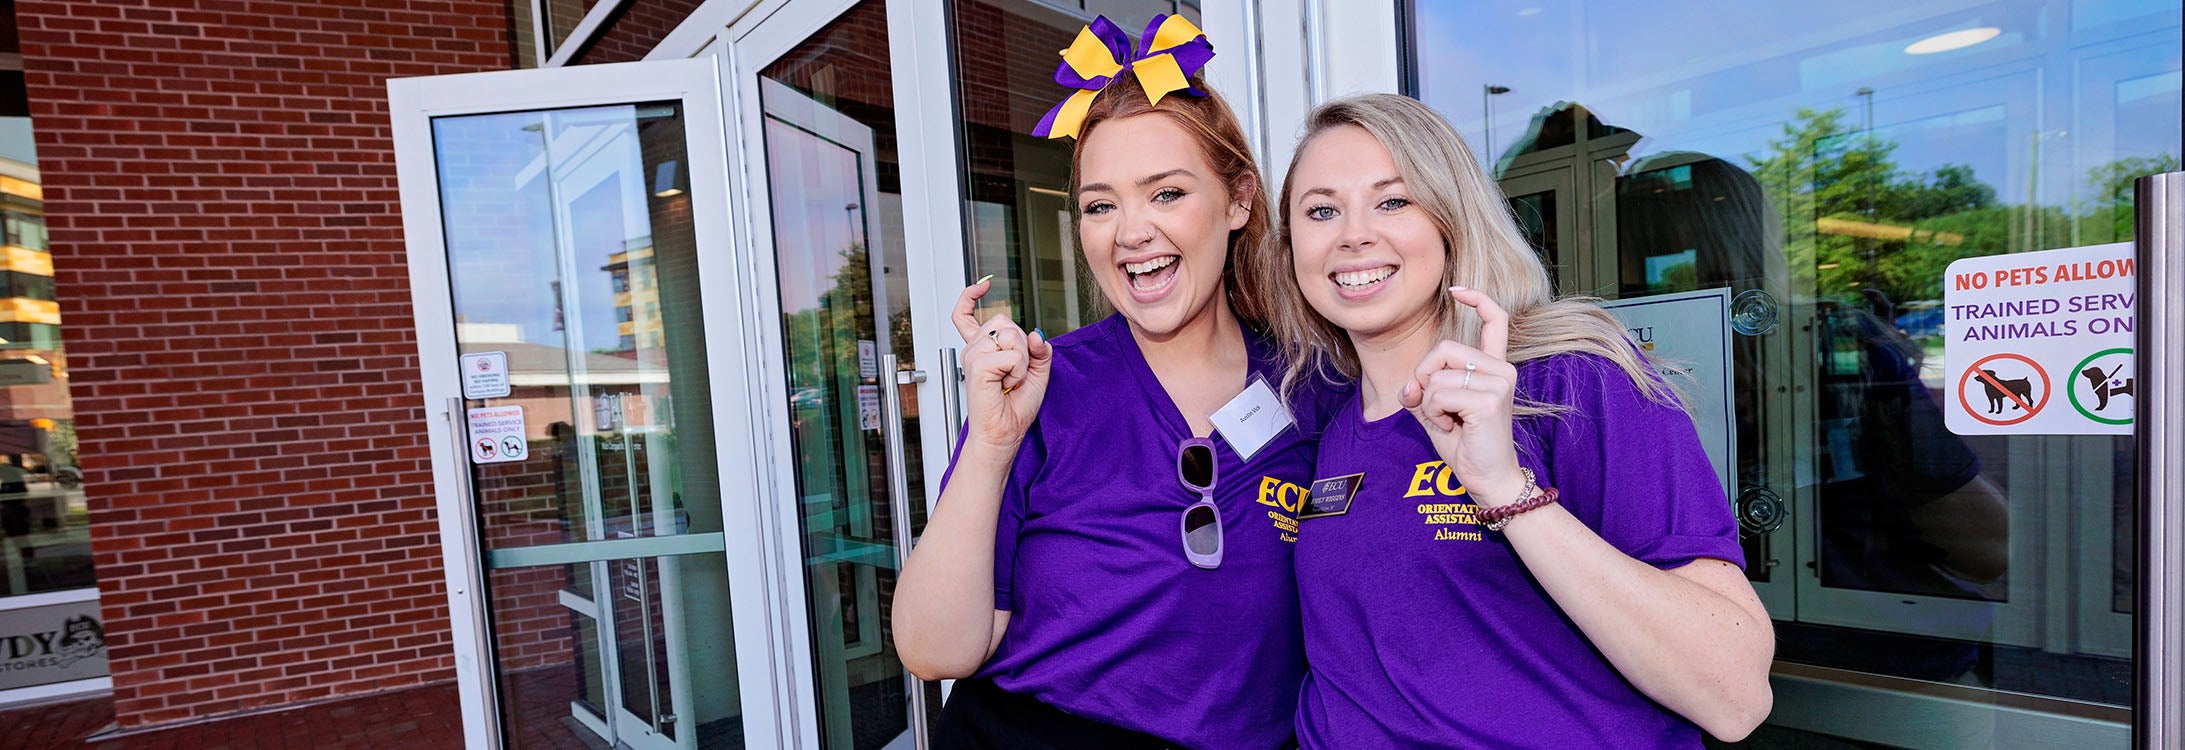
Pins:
x: 1514, y: 539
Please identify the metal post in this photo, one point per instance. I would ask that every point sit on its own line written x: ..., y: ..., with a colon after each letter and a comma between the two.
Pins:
x: 2158, y: 710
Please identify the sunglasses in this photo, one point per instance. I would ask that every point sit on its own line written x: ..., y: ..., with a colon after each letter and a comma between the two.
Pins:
x: 1201, y: 521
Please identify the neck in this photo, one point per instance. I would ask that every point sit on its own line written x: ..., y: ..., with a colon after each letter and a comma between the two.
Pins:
x: 1386, y: 361
x: 1213, y: 340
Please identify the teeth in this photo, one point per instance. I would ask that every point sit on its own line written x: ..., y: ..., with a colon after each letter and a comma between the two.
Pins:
x: 1149, y: 266
x: 1362, y: 278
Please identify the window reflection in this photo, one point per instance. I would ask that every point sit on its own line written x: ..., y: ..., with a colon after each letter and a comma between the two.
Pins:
x: 45, y: 539
x: 1826, y: 163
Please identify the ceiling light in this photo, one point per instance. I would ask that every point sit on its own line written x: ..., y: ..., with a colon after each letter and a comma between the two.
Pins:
x: 1951, y: 40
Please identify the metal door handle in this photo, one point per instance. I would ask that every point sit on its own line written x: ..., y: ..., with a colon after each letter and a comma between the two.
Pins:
x: 952, y: 379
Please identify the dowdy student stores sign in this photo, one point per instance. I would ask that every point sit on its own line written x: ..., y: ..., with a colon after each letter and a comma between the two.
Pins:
x: 2040, y: 343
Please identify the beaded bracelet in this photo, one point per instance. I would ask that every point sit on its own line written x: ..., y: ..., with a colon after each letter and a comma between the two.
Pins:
x: 1497, y: 517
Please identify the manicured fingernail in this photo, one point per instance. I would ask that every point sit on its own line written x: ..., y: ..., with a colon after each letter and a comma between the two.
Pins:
x: 1456, y: 288
x: 982, y: 279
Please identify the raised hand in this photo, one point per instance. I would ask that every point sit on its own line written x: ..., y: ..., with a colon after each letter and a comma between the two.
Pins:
x: 1464, y: 396
x: 1005, y: 372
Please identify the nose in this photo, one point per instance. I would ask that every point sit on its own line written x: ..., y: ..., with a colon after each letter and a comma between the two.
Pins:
x: 1134, y: 231
x: 1354, y: 235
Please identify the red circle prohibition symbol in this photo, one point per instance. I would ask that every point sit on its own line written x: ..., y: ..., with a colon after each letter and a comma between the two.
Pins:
x: 1965, y: 382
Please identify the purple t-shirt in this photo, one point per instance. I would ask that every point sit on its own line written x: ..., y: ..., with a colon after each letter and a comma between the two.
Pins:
x: 1108, y: 619
x: 1424, y: 629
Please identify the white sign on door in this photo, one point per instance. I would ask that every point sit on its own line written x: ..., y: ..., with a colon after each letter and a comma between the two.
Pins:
x: 2040, y: 343
x: 868, y: 359
x: 868, y: 407
x: 1691, y: 331
x: 485, y: 375
x: 497, y: 435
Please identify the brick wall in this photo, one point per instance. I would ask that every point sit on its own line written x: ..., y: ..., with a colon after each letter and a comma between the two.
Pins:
x: 220, y: 188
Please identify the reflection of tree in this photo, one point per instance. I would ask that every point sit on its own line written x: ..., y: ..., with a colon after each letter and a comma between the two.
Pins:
x: 2110, y: 211
x: 843, y: 316
x: 1877, y: 226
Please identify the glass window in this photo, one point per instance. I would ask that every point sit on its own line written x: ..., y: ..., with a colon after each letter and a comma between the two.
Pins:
x: 1825, y: 163
x: 24, y: 229
x: 635, y: 28
x: 45, y: 529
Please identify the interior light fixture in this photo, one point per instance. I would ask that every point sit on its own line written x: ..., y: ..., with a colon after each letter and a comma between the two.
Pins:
x: 664, y: 182
x: 1950, y: 40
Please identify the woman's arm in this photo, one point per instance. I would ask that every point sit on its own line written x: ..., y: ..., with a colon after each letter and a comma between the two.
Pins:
x: 1696, y: 639
x: 946, y: 620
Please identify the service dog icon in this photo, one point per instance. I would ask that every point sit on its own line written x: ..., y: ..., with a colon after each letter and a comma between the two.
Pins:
x: 2105, y: 388
x: 2106, y: 384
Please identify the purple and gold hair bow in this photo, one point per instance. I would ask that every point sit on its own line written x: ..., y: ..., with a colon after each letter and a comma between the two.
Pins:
x: 1169, y: 53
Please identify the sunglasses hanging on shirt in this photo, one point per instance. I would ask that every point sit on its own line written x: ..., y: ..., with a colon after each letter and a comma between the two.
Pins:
x: 1201, y: 521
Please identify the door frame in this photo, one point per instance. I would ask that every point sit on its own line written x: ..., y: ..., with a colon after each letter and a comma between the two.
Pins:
x: 919, y: 54
x: 413, y: 104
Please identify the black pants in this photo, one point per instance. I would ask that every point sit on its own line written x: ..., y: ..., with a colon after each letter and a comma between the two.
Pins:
x: 982, y: 716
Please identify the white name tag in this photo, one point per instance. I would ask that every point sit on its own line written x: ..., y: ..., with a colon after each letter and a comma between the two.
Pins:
x: 1252, y: 418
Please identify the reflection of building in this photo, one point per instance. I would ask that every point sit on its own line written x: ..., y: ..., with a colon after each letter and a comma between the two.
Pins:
x: 29, y: 316
x: 637, y: 296
x: 33, y: 376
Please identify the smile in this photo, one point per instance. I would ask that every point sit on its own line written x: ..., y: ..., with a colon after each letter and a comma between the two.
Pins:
x: 1364, y: 278
x: 1151, y: 277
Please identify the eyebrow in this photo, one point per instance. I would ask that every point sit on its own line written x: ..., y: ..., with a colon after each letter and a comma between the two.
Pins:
x: 1105, y: 187
x: 1330, y: 192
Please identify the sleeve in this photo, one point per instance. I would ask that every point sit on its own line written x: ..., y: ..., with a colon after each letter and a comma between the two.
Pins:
x: 1632, y: 469
x: 1030, y: 457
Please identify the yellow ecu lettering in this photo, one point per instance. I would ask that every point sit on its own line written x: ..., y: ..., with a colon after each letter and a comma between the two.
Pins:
x: 1441, y: 482
x: 1269, y: 492
x: 1292, y: 497
x: 1419, y: 478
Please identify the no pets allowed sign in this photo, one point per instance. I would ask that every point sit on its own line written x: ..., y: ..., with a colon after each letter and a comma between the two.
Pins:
x: 2041, y: 343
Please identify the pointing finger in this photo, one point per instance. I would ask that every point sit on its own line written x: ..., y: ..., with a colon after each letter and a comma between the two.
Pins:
x: 1494, y: 322
x: 967, y: 303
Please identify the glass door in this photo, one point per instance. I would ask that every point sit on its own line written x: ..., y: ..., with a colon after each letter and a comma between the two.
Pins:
x: 566, y: 259
x: 832, y: 190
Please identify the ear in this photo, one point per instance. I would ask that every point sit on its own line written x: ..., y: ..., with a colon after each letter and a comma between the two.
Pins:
x: 1241, y: 196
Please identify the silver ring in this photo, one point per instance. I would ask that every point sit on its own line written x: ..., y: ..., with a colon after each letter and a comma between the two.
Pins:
x: 1467, y: 384
x: 1470, y: 366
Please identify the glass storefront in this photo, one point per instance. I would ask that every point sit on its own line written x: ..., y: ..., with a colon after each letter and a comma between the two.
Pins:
x: 1825, y: 163
x: 48, y: 592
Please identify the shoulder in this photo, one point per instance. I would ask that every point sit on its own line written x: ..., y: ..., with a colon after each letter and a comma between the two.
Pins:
x: 1589, y: 383
x: 1090, y: 349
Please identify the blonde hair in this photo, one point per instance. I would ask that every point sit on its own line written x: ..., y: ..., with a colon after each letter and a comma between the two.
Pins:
x: 1486, y: 252
x: 1213, y: 128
